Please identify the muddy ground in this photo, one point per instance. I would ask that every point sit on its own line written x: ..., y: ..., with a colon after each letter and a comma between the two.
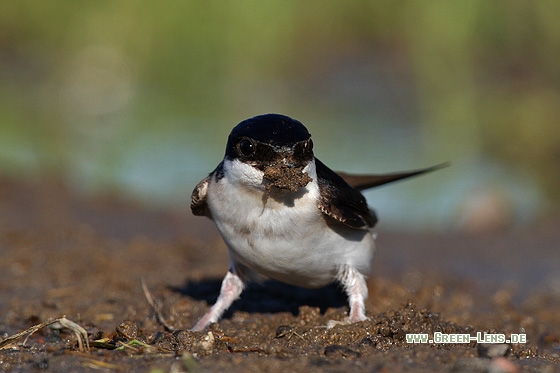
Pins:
x: 85, y: 258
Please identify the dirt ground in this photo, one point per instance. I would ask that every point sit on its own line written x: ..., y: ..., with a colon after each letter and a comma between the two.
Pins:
x: 85, y: 258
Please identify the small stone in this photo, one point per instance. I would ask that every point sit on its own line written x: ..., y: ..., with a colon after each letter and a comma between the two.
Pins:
x: 165, y: 341
x: 493, y: 350
x: 128, y: 330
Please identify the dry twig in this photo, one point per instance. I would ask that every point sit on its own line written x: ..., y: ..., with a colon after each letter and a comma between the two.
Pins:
x: 152, y: 303
x: 79, y: 332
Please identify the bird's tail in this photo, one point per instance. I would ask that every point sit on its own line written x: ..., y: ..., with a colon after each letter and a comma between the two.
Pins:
x: 362, y: 182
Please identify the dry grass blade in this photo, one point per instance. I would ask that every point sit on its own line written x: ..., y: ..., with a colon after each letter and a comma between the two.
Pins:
x: 78, y: 331
x: 152, y: 303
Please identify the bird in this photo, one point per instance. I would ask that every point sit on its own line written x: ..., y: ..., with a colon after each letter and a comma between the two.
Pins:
x: 284, y: 214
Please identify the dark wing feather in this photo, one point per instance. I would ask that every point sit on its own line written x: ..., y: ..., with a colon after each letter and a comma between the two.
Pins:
x: 199, y: 207
x: 198, y: 198
x: 362, y: 182
x: 342, y: 202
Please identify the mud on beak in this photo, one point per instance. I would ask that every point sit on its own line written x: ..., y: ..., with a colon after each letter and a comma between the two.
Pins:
x: 286, y: 175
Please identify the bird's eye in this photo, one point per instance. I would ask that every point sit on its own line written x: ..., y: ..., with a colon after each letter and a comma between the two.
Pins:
x: 246, y: 147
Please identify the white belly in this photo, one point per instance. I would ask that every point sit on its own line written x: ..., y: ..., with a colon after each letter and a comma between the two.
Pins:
x: 285, y: 238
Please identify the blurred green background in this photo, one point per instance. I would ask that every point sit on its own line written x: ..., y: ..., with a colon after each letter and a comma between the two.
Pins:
x: 138, y: 97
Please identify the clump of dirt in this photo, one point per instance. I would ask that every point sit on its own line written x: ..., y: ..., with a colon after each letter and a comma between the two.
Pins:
x: 287, y: 178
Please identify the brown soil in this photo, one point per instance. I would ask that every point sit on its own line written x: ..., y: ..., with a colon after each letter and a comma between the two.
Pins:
x: 285, y: 177
x: 86, y: 257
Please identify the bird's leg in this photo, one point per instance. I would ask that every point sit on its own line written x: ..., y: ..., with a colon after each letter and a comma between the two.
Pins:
x: 232, y: 286
x: 356, y: 288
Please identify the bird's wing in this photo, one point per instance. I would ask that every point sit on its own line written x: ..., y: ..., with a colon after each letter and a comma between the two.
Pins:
x: 342, y: 202
x: 198, y: 198
x: 199, y: 207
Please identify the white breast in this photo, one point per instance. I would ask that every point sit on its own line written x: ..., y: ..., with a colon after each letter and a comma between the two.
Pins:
x: 284, y: 235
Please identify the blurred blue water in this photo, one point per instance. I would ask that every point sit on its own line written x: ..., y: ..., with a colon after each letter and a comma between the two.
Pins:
x: 161, y: 168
